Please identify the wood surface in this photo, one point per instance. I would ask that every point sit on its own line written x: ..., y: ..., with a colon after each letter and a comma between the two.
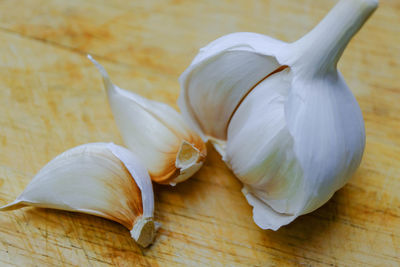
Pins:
x: 52, y: 99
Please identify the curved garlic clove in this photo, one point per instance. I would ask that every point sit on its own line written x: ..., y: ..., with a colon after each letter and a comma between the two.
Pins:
x: 169, y: 149
x: 298, y: 134
x: 260, y: 153
x: 100, y: 179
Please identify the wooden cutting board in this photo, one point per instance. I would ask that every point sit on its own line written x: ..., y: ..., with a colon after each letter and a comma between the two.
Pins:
x: 52, y: 99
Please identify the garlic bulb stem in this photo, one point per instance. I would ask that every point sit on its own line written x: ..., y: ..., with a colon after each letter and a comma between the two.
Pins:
x: 322, y: 47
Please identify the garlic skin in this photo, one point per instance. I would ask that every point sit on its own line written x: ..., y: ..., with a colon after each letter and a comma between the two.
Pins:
x: 168, y: 148
x: 281, y: 114
x: 219, y: 78
x: 100, y: 179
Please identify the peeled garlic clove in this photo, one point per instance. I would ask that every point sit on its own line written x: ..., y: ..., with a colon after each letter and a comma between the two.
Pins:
x: 169, y: 149
x: 297, y: 135
x: 100, y: 179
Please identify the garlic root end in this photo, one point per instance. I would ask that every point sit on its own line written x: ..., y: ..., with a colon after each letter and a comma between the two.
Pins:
x: 188, y: 160
x: 144, y: 231
x: 188, y: 155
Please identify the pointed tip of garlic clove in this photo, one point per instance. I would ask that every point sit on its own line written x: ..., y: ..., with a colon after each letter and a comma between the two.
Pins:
x: 89, y: 56
x: 144, y: 231
x: 17, y: 204
x: 106, y: 79
x: 98, y: 66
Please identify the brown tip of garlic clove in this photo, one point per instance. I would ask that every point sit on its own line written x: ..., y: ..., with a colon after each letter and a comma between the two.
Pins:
x: 182, y: 163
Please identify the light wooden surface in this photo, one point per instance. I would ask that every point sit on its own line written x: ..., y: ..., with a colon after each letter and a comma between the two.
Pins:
x: 52, y: 99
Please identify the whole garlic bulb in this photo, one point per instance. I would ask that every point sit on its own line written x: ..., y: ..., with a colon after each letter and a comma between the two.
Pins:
x: 281, y: 114
x: 170, y: 150
x: 101, y: 179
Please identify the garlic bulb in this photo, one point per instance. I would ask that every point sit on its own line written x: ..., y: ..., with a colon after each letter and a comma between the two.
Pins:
x: 280, y: 113
x: 100, y: 179
x: 168, y: 148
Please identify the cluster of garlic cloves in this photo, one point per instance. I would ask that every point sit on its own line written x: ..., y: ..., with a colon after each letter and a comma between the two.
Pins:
x: 101, y: 179
x: 169, y: 149
x: 113, y: 182
x: 281, y: 114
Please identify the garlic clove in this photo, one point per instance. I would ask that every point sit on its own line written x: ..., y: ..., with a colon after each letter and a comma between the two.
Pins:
x: 100, y: 179
x: 297, y: 135
x: 260, y: 148
x: 220, y: 77
x: 168, y: 148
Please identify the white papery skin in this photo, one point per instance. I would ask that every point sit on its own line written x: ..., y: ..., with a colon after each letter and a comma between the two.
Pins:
x: 100, y: 179
x: 281, y: 114
x: 169, y: 149
x: 218, y: 79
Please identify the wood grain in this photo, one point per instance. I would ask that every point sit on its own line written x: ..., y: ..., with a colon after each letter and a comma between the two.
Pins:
x: 52, y: 99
